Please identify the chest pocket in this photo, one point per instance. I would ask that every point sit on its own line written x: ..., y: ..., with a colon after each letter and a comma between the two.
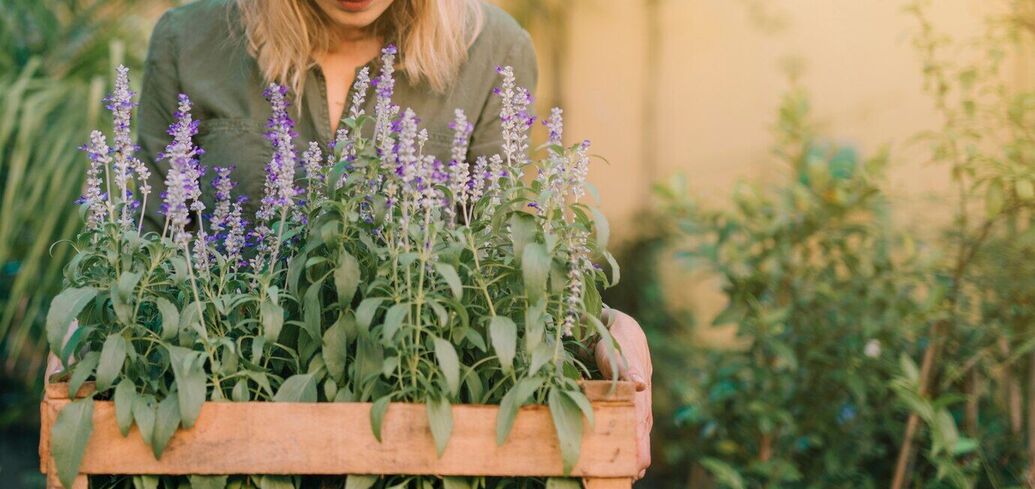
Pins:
x: 239, y: 143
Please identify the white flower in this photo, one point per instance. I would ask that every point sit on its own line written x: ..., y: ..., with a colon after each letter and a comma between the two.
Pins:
x: 872, y: 348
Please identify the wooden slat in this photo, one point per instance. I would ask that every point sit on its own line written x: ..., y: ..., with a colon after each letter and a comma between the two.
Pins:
x: 596, y: 390
x: 604, y: 483
x: 335, y: 438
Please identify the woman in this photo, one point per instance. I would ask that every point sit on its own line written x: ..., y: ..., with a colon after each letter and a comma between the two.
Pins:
x: 222, y: 55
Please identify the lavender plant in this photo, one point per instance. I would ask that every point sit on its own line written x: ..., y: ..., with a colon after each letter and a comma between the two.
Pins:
x: 379, y: 274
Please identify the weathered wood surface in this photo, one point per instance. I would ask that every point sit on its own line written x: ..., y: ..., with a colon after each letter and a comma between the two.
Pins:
x: 336, y: 438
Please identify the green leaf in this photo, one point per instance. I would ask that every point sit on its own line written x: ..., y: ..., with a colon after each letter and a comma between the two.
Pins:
x: 122, y: 296
x: 167, y: 418
x: 272, y: 320
x: 366, y: 311
x: 725, y: 474
x: 377, y: 415
x: 511, y: 403
x: 609, y: 345
x: 65, y: 307
x: 240, y: 391
x: 144, y: 415
x: 393, y: 321
x: 503, y: 335
x: 275, y: 482
x: 297, y: 388
x: 583, y: 403
x: 440, y: 419
x: 523, y: 231
x: 567, y: 419
x: 170, y: 318
x: 535, y: 268
x: 145, y: 481
x: 456, y: 483
x: 449, y: 363
x: 312, y: 311
x: 125, y: 396
x: 335, y: 349
x: 346, y: 277
x: 82, y: 371
x: 113, y: 355
x: 449, y: 274
x: 603, y: 228
x: 189, y: 372
x: 909, y: 368
x: 209, y: 482
x: 68, y: 438
x: 562, y: 483
x: 357, y: 481
x: 535, y: 325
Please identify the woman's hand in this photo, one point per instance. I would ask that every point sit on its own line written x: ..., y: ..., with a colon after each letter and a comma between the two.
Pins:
x: 636, y: 368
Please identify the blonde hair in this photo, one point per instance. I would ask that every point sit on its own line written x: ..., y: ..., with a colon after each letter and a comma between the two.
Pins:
x: 433, y: 37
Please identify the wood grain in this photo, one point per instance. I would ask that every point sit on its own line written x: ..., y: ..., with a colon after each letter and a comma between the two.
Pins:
x: 336, y: 438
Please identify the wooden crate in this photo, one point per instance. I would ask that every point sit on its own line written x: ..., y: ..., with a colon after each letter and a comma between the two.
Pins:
x: 335, y: 438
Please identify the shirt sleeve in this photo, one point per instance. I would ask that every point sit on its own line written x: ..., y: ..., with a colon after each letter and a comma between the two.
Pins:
x: 158, y: 100
x: 486, y: 139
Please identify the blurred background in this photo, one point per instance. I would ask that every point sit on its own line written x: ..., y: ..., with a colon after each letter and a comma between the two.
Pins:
x: 822, y: 210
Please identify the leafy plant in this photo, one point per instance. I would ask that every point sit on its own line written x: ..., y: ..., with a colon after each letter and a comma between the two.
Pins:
x: 824, y: 299
x: 53, y: 70
x: 381, y: 275
x: 978, y: 351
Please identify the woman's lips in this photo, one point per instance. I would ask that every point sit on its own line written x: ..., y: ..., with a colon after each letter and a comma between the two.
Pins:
x: 355, y: 5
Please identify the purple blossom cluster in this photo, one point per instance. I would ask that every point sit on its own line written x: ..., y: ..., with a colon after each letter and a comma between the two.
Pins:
x: 315, y: 173
x: 123, y: 149
x: 578, y: 264
x: 459, y: 174
x: 515, y: 120
x: 278, y: 199
x: 182, y: 188
x: 384, y: 110
x: 95, y: 199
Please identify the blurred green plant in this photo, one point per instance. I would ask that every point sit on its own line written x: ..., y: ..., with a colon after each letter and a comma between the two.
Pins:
x: 825, y: 296
x: 56, y: 58
x: 978, y: 369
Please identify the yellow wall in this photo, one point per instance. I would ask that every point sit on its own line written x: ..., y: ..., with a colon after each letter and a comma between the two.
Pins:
x: 719, y: 80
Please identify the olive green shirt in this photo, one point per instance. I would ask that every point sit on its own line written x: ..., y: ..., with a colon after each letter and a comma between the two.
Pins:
x: 200, y: 50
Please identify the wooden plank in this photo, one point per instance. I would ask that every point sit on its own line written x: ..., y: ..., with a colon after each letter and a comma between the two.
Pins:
x: 607, y: 391
x: 596, y: 390
x: 335, y: 438
x: 604, y: 483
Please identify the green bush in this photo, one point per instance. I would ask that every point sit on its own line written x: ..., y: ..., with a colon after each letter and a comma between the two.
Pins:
x: 53, y: 69
x: 823, y: 297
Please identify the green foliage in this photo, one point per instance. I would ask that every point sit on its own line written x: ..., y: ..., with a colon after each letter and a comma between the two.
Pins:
x: 823, y: 301
x: 53, y: 67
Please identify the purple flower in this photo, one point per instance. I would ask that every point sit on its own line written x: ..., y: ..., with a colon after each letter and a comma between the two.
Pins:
x: 459, y: 174
x: 121, y: 105
x: 359, y: 92
x: 315, y: 173
x: 515, y: 120
x: 555, y: 125
x: 578, y: 261
x: 223, y: 184
x: 100, y: 157
x: 383, y: 108
x: 182, y: 192
x: 234, y: 242
x: 279, y: 192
